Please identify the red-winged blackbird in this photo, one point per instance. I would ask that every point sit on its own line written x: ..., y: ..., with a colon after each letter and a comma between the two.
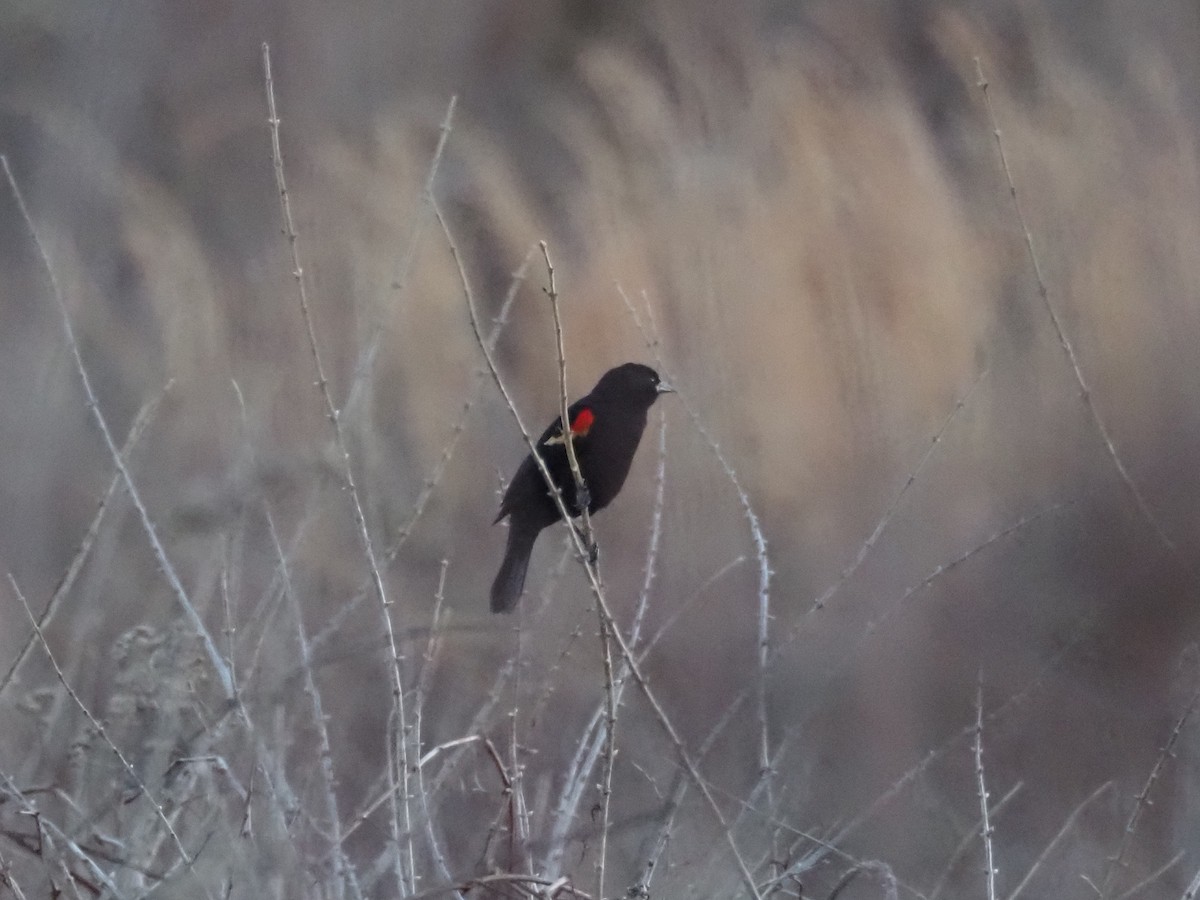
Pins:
x: 606, y: 427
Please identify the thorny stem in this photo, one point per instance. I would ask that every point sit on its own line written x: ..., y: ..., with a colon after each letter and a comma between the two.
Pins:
x: 985, y: 826
x: 582, y: 502
x: 1143, y: 798
x: 130, y: 771
x: 406, y: 874
x: 1068, y: 348
x: 765, y: 651
x: 582, y: 496
x: 189, y: 610
x: 75, y: 567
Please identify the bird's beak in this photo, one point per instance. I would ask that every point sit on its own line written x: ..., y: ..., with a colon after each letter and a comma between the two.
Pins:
x: 664, y: 387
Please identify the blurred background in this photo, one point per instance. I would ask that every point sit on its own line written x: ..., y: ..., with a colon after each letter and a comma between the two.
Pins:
x: 804, y: 205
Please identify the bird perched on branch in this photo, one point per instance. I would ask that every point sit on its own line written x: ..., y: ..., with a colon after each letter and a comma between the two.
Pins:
x: 606, y: 428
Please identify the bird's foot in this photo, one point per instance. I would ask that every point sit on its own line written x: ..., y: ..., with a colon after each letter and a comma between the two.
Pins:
x: 593, y: 549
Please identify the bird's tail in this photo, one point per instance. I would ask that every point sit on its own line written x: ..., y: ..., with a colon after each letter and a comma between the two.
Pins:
x: 510, y: 580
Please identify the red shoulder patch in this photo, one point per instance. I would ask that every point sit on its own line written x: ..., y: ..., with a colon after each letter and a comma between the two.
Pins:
x: 582, y: 423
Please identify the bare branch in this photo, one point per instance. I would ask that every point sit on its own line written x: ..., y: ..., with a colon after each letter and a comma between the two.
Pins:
x: 985, y: 824
x: 1142, y: 801
x: 400, y: 733
x: 1062, y: 833
x: 1085, y: 392
x: 130, y: 771
x: 75, y: 566
x: 185, y: 604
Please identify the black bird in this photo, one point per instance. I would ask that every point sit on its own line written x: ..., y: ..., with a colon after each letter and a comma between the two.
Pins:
x: 606, y: 428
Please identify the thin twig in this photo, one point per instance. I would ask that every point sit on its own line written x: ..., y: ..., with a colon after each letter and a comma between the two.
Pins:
x: 756, y: 535
x: 431, y: 483
x: 797, y: 870
x: 949, y: 744
x: 594, y: 738
x: 343, y: 871
x: 890, y: 512
x: 1057, y: 839
x: 846, y: 659
x: 610, y: 730
x: 406, y: 874
x: 1068, y: 348
x: 46, y: 829
x: 8, y: 880
x: 650, y: 569
x: 537, y: 887
x: 509, y: 670
x: 141, y: 421
x: 1152, y: 877
x: 164, y: 562
x: 366, y: 359
x: 881, y: 870
x: 1193, y: 888
x: 433, y: 752
x: 227, y: 609
x: 130, y: 771
x: 515, y: 667
x: 432, y: 649
x: 968, y: 839
x: 582, y: 503
x: 582, y: 496
x: 1142, y: 801
x: 509, y: 798
x: 362, y: 815
x: 577, y: 779
x: 579, y: 771
x: 985, y: 824
x: 583, y: 764
x: 731, y: 710
x: 696, y: 595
